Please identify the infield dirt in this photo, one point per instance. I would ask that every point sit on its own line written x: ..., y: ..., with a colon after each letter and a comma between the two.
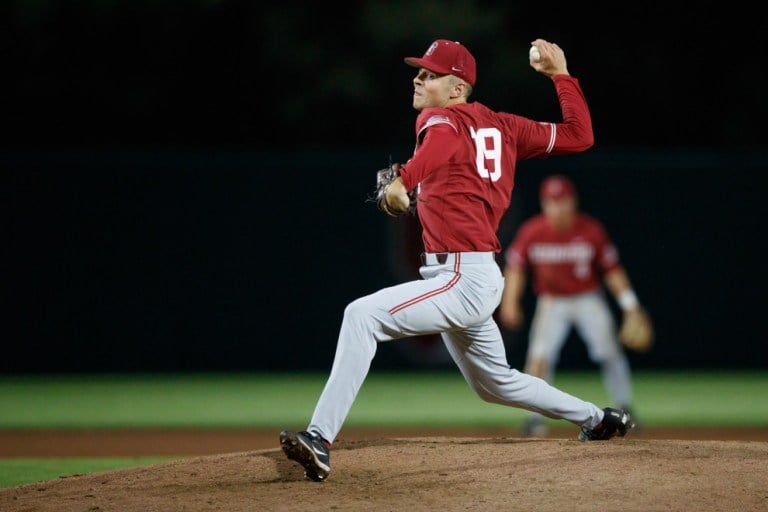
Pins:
x: 376, y: 470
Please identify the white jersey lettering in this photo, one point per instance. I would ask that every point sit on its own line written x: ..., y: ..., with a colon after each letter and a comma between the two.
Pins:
x: 578, y: 253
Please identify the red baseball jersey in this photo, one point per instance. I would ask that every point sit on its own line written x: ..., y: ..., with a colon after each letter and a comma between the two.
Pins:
x: 464, y: 165
x: 563, y: 262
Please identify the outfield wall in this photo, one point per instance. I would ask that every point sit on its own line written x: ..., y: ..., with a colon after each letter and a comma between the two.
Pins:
x: 128, y: 260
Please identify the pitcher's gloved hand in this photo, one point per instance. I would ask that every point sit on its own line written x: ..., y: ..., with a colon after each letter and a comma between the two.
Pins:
x: 384, y: 179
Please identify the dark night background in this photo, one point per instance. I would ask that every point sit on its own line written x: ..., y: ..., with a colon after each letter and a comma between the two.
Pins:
x: 184, y: 182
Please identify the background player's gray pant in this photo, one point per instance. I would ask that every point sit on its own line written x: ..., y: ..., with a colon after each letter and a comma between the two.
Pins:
x: 590, y: 314
x: 456, y: 299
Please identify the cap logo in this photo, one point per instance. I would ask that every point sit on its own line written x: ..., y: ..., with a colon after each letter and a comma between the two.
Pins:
x: 445, y: 57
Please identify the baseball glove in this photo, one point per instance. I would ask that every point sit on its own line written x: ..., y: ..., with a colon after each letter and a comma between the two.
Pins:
x: 636, y: 331
x: 384, y: 178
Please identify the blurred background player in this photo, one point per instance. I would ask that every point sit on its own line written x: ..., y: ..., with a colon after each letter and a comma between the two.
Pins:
x: 569, y: 255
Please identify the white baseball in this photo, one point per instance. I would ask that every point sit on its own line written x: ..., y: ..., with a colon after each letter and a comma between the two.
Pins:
x: 534, y: 54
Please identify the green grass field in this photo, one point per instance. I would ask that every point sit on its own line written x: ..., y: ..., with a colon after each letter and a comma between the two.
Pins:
x: 669, y: 398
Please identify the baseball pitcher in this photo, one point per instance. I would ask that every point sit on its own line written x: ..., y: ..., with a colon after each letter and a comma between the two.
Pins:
x: 459, y: 182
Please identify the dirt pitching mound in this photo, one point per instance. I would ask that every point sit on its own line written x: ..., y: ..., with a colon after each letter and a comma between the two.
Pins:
x: 432, y: 473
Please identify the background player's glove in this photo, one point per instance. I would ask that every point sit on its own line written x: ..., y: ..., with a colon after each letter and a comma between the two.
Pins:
x: 636, y: 332
x: 384, y: 178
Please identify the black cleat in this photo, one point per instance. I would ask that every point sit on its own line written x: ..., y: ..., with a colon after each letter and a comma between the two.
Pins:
x: 615, y: 423
x: 310, y: 450
x: 633, y: 415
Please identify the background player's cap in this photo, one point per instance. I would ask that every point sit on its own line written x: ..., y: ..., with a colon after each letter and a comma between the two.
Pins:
x: 447, y: 58
x: 556, y: 187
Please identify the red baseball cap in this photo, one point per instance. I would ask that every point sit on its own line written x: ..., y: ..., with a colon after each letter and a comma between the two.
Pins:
x: 557, y: 187
x: 447, y: 58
